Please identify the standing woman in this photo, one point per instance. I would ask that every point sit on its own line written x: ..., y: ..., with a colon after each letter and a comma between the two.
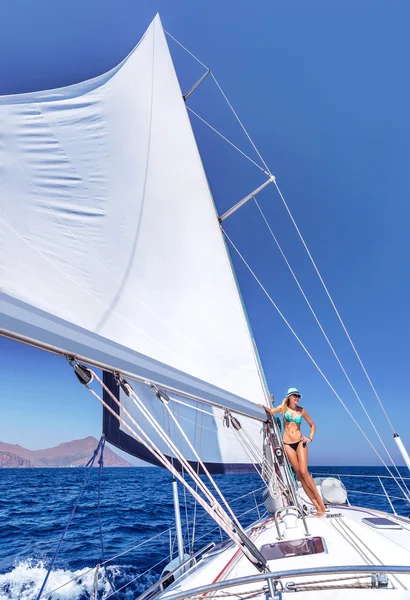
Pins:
x: 296, y: 444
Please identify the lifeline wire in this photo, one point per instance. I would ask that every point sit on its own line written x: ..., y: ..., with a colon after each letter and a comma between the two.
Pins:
x: 48, y: 594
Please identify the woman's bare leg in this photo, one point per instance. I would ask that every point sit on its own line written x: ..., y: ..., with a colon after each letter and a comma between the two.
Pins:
x: 294, y: 461
x: 302, y: 455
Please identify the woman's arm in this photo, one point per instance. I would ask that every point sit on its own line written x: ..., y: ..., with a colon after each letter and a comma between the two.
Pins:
x: 272, y: 411
x: 311, y: 425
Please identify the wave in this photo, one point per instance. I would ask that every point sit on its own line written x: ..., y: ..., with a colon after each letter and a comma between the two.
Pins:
x: 25, y: 579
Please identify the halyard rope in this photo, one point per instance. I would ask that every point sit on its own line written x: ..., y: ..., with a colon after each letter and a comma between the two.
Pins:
x: 139, y: 404
x: 154, y: 450
x: 214, y: 509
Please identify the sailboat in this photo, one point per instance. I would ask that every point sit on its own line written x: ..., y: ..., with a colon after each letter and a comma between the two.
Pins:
x: 120, y: 263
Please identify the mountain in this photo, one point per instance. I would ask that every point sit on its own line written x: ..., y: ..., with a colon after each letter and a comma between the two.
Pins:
x: 68, y: 454
x: 9, y: 460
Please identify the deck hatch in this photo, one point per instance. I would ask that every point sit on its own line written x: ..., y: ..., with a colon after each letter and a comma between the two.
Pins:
x: 381, y: 523
x: 290, y: 548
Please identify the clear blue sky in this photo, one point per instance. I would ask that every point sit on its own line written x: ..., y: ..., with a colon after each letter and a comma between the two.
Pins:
x: 323, y: 88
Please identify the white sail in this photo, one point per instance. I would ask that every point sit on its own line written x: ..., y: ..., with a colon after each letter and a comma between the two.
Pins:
x: 110, y: 243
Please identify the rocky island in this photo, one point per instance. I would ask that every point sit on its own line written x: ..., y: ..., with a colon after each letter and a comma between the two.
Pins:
x: 68, y: 454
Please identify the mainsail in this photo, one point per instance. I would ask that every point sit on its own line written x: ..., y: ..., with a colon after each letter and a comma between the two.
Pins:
x: 110, y: 248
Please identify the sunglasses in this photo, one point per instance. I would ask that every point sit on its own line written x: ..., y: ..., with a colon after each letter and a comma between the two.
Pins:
x: 296, y: 395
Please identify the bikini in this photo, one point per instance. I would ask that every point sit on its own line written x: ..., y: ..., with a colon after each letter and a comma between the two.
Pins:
x: 298, y: 420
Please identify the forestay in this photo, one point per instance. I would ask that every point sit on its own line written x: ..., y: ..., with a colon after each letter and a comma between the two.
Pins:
x: 110, y: 246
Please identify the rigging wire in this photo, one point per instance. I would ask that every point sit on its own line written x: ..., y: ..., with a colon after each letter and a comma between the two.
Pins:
x: 328, y: 340
x: 88, y: 466
x: 197, y: 472
x: 231, y: 527
x: 188, y: 533
x: 256, y: 461
x: 186, y: 50
x: 159, y: 455
x: 293, y: 222
x: 81, y: 575
x: 226, y: 139
x: 258, y: 454
x: 333, y: 304
x: 242, y: 125
x: 309, y: 255
x: 312, y: 359
x: 211, y: 479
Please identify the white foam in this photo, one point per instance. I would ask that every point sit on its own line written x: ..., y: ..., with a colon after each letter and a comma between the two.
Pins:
x: 25, y: 580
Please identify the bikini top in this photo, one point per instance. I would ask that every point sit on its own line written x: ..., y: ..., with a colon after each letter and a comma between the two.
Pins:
x: 289, y: 418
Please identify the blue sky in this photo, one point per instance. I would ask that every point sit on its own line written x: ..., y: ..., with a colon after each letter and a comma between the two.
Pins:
x: 323, y: 89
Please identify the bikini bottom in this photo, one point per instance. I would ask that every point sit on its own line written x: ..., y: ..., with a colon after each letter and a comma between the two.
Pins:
x: 295, y: 444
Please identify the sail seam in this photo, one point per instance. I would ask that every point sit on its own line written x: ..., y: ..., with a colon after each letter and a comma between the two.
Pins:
x: 91, y: 255
x: 77, y: 284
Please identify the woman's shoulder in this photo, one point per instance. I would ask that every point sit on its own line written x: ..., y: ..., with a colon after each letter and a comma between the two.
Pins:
x: 300, y: 409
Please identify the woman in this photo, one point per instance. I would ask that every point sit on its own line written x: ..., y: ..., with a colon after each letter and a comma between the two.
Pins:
x: 296, y: 444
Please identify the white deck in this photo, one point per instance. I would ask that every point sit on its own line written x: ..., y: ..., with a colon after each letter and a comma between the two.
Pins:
x: 348, y: 541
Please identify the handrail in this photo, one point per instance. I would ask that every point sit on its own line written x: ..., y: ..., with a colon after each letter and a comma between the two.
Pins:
x: 287, y: 509
x: 356, y: 475
x: 374, y: 494
x: 275, y: 577
x: 262, y: 487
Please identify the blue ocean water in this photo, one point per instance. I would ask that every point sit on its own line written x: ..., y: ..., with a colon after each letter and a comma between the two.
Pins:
x: 136, y: 504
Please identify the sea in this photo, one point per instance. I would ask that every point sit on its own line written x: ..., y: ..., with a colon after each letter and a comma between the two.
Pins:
x: 137, y: 519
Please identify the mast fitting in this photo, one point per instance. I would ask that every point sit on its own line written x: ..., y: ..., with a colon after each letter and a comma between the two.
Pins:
x: 198, y: 83
x: 234, y: 208
x: 165, y: 399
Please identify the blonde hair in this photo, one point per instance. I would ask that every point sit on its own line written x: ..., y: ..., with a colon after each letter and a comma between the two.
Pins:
x: 285, y: 406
